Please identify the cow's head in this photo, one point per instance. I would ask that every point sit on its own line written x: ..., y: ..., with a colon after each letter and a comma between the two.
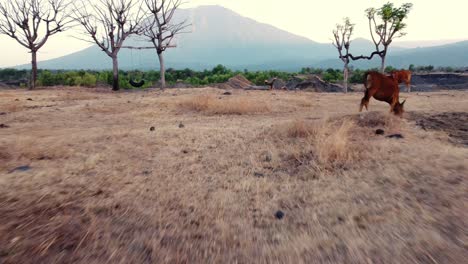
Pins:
x: 399, y: 108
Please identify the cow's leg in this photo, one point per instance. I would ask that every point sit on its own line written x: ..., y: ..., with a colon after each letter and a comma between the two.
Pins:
x: 365, y: 99
x: 408, y: 87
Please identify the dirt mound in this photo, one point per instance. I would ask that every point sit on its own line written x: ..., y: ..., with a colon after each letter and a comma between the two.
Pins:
x: 455, y: 124
x: 276, y: 82
x: 312, y: 82
x: 237, y: 82
x: 439, y: 81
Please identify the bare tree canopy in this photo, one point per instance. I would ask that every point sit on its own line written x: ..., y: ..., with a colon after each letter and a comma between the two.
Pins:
x: 342, y: 41
x: 108, y: 23
x: 160, y: 28
x: 32, y: 22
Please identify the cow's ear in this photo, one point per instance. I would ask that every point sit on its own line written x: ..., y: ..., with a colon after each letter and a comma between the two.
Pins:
x: 403, y: 102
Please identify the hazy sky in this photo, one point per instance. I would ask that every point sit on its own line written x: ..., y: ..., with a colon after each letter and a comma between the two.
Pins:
x: 314, y: 19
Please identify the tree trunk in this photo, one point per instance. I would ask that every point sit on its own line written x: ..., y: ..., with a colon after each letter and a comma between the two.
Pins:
x: 345, y: 78
x: 33, y: 82
x: 162, y: 69
x: 115, y: 74
x: 382, y: 67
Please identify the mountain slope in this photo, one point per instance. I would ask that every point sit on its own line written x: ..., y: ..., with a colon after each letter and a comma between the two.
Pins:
x: 221, y: 36
x: 218, y: 35
x: 454, y: 55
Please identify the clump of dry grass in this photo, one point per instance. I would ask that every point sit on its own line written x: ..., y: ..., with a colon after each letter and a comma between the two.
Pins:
x: 211, y: 105
x: 324, y: 145
x: 42, y: 227
x: 49, y: 149
x: 333, y: 143
x: 299, y: 129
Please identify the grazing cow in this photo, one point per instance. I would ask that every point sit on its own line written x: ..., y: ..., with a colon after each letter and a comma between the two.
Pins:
x: 382, y: 88
x: 403, y: 76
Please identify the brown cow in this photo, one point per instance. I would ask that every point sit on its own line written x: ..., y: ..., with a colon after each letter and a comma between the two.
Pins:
x: 403, y: 76
x: 382, y: 88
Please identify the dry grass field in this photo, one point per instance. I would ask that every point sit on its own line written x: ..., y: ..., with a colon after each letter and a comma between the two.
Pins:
x: 196, y: 176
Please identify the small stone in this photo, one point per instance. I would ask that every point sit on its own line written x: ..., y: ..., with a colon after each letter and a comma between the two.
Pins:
x: 4, y: 126
x: 279, y: 214
x: 29, y: 99
x: 379, y: 132
x: 181, y: 125
x: 185, y: 151
x: 396, y: 136
x: 227, y: 93
x: 16, y: 99
x: 21, y: 168
x: 15, y: 239
x: 152, y: 128
x: 98, y: 192
x: 2, y: 113
x: 259, y: 174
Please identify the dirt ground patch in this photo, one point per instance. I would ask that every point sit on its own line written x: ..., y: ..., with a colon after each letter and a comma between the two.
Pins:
x: 455, y: 124
x: 133, y: 177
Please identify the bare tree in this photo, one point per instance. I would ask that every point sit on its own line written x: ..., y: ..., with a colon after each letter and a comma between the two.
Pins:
x: 108, y: 23
x: 160, y: 29
x: 31, y: 23
x: 342, y: 41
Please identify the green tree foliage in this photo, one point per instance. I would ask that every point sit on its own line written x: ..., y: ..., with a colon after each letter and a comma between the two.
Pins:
x: 332, y: 75
x: 386, y: 24
x: 218, y: 74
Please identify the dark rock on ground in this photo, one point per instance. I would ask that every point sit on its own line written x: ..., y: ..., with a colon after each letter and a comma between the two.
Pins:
x: 259, y: 175
x: 279, y: 214
x: 21, y: 168
x: 396, y: 136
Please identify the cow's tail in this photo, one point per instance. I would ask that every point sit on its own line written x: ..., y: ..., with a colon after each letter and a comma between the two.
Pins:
x: 367, y: 80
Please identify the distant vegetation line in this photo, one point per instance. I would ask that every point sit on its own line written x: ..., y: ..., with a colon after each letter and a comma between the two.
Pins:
x: 219, y: 74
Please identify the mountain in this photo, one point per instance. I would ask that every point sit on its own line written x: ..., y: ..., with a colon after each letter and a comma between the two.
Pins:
x: 454, y: 55
x: 221, y: 36
x: 218, y: 36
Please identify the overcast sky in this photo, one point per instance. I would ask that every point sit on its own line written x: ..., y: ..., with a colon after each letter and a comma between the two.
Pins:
x: 442, y: 21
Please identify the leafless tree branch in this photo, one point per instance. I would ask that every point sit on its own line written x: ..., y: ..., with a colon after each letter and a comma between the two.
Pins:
x: 32, y: 22
x: 108, y: 23
x: 160, y: 29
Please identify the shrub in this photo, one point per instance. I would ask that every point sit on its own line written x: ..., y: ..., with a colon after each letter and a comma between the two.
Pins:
x: 88, y: 80
x: 46, y: 79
